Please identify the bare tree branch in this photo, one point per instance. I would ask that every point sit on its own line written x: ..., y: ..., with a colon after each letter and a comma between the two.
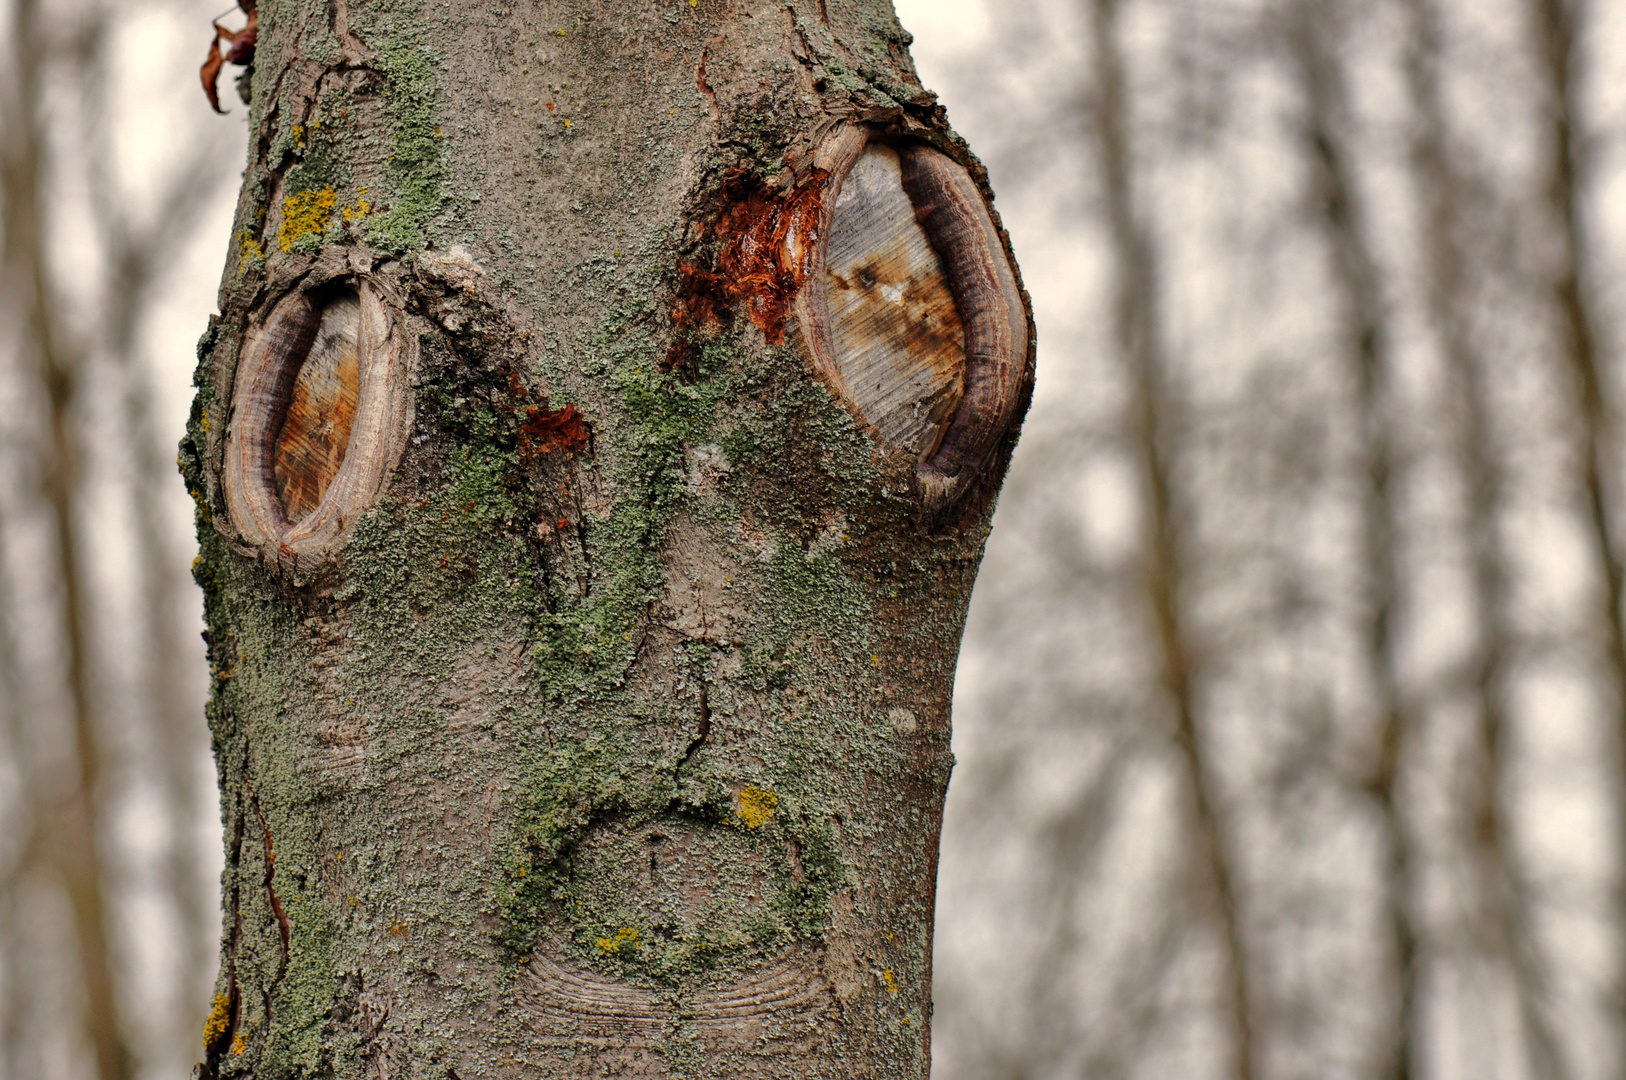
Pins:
x: 74, y: 820
x: 1341, y: 217
x: 1556, y: 24
x: 1137, y: 337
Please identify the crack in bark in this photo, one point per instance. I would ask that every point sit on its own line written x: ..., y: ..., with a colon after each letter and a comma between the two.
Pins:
x: 355, y: 51
x: 702, y: 733
x: 271, y: 895
x: 214, y: 1050
x: 705, y: 88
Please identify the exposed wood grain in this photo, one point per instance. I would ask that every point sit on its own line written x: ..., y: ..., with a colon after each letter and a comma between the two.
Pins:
x: 322, y: 407
x: 914, y: 317
x: 264, y: 385
x: 893, y: 321
x: 766, y: 1011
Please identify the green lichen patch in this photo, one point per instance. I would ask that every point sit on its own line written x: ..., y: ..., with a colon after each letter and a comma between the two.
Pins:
x: 585, y: 647
x: 795, y: 450
x: 448, y: 565
x: 305, y: 997
x: 666, y: 896
x: 317, y: 154
x: 813, y: 595
x: 756, y: 806
x: 416, y: 173
x: 569, y: 789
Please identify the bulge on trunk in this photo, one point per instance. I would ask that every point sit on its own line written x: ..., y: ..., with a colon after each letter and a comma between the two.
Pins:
x: 320, y: 407
x: 912, y: 312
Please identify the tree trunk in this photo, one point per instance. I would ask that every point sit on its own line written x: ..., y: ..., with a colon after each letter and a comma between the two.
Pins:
x: 593, y: 456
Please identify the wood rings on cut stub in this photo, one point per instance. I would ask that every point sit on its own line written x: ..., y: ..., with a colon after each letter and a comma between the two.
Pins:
x: 911, y: 308
x: 320, y: 407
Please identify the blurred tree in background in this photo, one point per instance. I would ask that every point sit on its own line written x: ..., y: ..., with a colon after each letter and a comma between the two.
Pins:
x: 1292, y: 721
x: 1291, y: 731
x: 110, y: 175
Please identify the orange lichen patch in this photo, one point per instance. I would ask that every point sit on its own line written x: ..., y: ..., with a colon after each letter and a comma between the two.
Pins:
x: 218, y: 1023
x: 316, y: 428
x: 757, y: 805
x: 360, y: 209
x: 239, y: 1044
x: 251, y: 251
x: 769, y: 241
x: 548, y: 432
x: 891, y: 983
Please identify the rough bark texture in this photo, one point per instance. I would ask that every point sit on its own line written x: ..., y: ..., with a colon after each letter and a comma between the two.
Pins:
x: 582, y: 686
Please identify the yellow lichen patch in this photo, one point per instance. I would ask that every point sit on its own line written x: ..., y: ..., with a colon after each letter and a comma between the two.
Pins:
x: 625, y: 939
x: 398, y: 929
x: 304, y: 213
x: 360, y: 209
x: 239, y: 1044
x: 757, y: 806
x: 891, y: 983
x: 251, y: 250
x: 219, y: 1017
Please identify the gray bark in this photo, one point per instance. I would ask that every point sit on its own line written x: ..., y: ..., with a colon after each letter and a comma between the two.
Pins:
x: 596, y: 720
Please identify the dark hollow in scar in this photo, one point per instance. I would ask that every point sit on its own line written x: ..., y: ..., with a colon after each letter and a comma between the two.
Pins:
x: 319, y: 407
